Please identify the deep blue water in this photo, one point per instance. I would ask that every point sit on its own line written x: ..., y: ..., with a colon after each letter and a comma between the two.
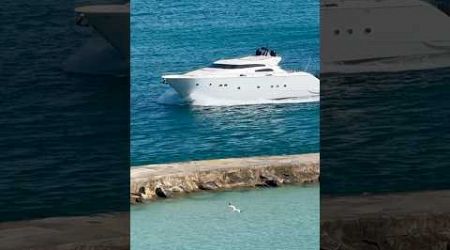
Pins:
x: 178, y: 36
x: 64, y: 137
x: 385, y: 132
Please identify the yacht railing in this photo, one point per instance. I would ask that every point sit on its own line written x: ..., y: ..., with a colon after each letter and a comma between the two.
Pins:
x: 172, y: 73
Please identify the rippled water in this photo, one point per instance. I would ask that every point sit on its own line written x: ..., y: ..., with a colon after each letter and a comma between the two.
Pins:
x: 180, y: 36
x: 385, y: 132
x: 64, y: 137
x: 282, y: 218
x: 170, y: 36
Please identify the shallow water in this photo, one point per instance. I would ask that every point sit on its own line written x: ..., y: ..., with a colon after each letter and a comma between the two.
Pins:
x: 281, y: 218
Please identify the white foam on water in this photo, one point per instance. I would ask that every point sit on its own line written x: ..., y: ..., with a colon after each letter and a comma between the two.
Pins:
x: 170, y: 97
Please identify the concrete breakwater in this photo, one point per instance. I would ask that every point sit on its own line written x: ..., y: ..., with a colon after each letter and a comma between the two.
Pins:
x: 151, y: 182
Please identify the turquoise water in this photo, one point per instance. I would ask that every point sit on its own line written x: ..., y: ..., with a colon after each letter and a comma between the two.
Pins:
x: 178, y: 36
x: 282, y: 218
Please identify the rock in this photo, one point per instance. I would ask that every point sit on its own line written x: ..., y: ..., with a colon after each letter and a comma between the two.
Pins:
x: 269, y: 181
x: 164, y: 180
x: 162, y: 193
x: 176, y: 189
x: 234, y: 177
x: 272, y: 182
x: 144, y: 193
x: 208, y: 186
x: 135, y: 198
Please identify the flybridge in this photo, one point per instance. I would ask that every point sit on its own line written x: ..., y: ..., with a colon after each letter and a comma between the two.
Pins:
x: 260, y: 60
x: 263, y: 51
x: 263, y: 57
x: 256, y: 61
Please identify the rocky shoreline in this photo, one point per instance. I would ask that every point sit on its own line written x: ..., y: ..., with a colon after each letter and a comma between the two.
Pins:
x: 151, y: 182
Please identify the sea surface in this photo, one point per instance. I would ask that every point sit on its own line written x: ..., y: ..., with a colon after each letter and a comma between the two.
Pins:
x: 64, y: 137
x: 178, y: 36
x: 385, y: 132
x: 282, y: 218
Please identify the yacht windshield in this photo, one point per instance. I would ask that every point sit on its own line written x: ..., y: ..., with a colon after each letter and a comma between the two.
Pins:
x: 231, y: 66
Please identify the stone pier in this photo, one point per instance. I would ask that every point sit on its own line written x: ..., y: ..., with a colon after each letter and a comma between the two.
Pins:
x: 166, y: 180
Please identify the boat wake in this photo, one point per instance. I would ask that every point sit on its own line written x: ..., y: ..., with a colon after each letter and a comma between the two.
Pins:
x: 171, y: 97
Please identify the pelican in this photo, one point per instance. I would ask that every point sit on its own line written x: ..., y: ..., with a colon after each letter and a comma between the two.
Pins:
x: 234, y: 209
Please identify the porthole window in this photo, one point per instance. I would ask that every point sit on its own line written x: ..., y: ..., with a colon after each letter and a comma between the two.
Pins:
x: 226, y: 85
x: 220, y: 85
x: 285, y: 85
x: 238, y: 87
x: 350, y: 31
x: 278, y: 86
x: 368, y: 30
x: 271, y: 86
x: 258, y: 87
x: 336, y: 32
x: 210, y: 84
x: 196, y: 84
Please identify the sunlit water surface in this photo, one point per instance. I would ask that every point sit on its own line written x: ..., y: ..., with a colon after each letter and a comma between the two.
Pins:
x: 282, y: 218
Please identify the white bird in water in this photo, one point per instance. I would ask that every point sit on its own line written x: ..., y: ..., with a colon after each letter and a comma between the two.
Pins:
x: 234, y: 209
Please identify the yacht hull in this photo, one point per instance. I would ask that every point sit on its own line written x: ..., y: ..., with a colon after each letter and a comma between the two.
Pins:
x: 246, y: 89
x: 380, y: 36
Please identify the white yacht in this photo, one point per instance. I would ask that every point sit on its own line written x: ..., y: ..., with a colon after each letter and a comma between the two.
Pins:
x: 250, y: 79
x: 384, y: 35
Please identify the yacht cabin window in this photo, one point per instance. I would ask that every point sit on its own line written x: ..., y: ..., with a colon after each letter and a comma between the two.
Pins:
x: 264, y: 70
x: 231, y: 66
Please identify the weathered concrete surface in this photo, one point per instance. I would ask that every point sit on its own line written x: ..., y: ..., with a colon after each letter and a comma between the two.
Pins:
x: 106, y: 231
x: 395, y: 221
x: 166, y: 180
